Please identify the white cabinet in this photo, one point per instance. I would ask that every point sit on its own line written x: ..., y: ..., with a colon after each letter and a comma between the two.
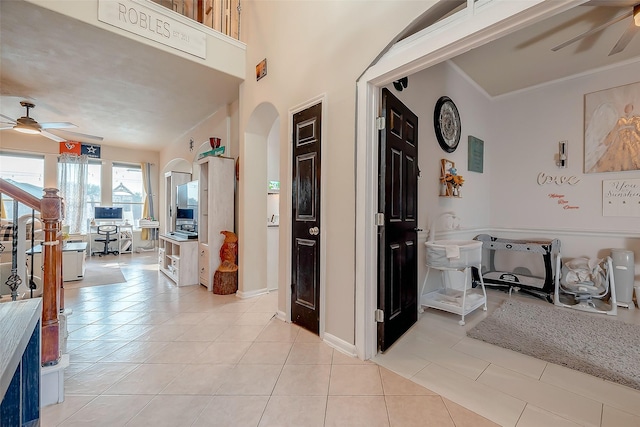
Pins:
x: 203, y: 264
x: 172, y: 180
x: 215, y: 212
x: 178, y: 259
x: 73, y: 260
x: 125, y: 236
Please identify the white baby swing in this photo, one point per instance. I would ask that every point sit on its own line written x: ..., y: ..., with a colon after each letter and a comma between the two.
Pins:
x: 584, y: 285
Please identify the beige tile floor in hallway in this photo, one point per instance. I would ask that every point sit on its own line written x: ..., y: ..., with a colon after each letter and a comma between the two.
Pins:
x: 148, y: 353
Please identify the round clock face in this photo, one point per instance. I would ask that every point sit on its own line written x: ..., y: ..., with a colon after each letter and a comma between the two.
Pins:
x: 446, y: 120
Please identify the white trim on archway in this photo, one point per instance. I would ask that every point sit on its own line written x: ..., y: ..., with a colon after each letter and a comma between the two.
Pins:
x: 252, y: 202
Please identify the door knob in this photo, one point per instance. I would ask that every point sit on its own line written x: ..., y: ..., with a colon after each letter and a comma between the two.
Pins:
x: 314, y: 231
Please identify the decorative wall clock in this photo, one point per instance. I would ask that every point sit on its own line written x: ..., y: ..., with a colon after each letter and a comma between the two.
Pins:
x: 446, y: 121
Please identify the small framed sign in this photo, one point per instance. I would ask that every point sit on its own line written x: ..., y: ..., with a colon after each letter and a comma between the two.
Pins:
x: 475, y: 154
x: 621, y: 197
x: 261, y: 69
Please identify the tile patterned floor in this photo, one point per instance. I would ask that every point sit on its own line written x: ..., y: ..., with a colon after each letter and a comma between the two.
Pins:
x: 145, y: 352
x: 506, y: 387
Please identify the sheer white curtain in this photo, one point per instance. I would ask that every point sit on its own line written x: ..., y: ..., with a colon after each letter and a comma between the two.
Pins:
x: 147, y: 209
x: 72, y: 183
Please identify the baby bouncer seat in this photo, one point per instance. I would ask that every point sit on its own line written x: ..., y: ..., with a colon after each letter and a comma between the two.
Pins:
x: 586, y: 285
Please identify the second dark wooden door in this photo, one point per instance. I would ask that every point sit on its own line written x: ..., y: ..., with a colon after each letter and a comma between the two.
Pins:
x: 397, y: 237
x: 305, y: 262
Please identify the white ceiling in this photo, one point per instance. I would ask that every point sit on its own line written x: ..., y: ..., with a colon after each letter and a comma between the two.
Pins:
x: 525, y: 59
x: 129, y: 93
x: 137, y: 96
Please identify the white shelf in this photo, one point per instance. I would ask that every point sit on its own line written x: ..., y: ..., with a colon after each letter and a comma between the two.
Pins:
x: 178, y: 259
x: 451, y: 300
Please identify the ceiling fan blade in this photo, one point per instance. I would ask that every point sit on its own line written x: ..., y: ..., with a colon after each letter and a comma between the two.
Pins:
x: 593, y: 30
x: 51, y: 136
x: 624, y: 40
x: 81, y: 135
x: 57, y: 125
x: 7, y: 127
x: 8, y: 118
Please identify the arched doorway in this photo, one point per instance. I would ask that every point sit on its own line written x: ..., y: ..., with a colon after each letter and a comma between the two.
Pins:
x: 259, y: 161
x: 421, y: 51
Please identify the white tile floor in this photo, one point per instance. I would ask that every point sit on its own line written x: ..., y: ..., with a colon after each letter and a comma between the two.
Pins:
x: 506, y: 387
x: 148, y: 353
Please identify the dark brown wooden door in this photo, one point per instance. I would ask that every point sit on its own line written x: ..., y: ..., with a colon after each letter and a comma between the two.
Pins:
x: 305, y: 274
x: 397, y: 238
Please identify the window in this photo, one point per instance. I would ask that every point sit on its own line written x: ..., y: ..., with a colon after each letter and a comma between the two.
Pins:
x: 128, y: 190
x: 24, y: 171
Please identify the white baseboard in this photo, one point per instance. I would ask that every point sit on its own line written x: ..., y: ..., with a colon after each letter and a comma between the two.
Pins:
x: 281, y: 315
x: 340, y: 345
x: 52, y: 382
x: 251, y: 294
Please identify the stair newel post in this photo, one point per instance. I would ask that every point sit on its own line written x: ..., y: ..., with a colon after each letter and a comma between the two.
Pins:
x: 51, y: 214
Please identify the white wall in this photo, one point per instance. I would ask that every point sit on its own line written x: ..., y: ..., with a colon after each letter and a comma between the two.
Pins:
x: 421, y: 95
x: 178, y: 156
x: 474, y: 207
x: 315, y: 48
x: 273, y: 206
x: 273, y: 152
x: 529, y: 126
x: 521, y: 132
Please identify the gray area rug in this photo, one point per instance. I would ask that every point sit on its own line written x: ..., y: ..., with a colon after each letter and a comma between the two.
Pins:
x: 595, y: 344
x: 96, y: 274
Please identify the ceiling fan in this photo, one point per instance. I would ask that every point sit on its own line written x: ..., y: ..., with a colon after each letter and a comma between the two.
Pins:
x: 27, y: 124
x: 632, y: 29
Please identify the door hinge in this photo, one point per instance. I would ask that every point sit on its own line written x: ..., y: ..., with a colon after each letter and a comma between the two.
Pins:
x: 379, y: 316
x: 380, y: 218
x: 380, y: 123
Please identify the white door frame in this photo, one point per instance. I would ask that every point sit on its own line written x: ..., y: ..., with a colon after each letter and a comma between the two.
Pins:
x: 478, y: 24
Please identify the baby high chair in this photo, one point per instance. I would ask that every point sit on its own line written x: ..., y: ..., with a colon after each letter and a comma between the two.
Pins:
x: 586, y: 285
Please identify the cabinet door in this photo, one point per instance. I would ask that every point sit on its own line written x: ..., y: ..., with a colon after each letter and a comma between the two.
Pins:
x: 160, y: 256
x: 203, y: 265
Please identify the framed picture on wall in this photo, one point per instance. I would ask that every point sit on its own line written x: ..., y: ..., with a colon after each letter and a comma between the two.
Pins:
x: 475, y: 161
x: 612, y: 129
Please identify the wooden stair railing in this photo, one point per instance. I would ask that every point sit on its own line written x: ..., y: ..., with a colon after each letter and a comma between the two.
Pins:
x: 50, y: 208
